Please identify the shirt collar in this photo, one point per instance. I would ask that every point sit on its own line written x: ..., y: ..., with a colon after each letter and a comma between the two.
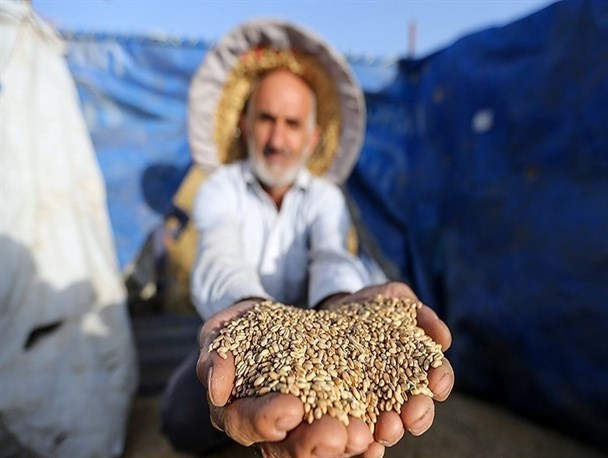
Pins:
x: 302, y: 179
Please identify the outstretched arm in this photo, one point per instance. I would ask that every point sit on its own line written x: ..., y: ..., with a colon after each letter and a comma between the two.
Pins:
x: 220, y: 275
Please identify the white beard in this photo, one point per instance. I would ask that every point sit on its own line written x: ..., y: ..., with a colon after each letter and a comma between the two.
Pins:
x: 270, y: 175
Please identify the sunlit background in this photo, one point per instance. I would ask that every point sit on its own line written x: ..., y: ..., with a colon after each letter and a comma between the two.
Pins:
x: 375, y: 28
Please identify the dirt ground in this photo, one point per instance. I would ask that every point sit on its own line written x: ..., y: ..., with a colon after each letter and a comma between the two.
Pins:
x: 463, y: 427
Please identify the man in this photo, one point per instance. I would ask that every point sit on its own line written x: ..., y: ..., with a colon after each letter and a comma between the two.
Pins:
x: 273, y: 215
x: 270, y: 229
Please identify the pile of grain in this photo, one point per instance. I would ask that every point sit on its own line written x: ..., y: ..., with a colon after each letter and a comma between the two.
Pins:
x: 358, y: 360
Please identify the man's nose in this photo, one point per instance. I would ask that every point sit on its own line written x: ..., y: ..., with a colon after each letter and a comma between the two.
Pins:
x: 277, y: 136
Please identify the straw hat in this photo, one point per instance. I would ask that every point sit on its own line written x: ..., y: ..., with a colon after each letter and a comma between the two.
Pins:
x: 221, y: 87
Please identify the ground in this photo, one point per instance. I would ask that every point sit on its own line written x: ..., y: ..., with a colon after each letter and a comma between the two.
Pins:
x: 464, y: 427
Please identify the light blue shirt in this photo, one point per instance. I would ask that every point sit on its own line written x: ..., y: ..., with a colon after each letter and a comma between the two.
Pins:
x: 248, y: 248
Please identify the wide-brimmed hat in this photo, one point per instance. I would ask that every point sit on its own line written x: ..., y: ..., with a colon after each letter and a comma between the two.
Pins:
x: 222, y: 85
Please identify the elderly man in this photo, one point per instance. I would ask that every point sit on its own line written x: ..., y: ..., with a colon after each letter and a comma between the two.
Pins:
x: 270, y: 229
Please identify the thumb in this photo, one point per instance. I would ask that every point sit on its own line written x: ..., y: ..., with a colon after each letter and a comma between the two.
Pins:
x: 218, y: 375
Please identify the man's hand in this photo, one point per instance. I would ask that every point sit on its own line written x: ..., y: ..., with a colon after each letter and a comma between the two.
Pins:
x: 274, y: 421
x: 418, y: 412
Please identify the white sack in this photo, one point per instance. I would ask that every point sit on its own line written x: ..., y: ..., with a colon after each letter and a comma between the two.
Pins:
x: 65, y: 389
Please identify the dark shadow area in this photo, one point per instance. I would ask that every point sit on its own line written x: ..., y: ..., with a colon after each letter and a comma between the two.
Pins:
x: 45, y: 339
x: 159, y: 182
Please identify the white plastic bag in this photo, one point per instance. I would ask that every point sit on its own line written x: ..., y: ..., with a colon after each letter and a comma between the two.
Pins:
x: 67, y: 358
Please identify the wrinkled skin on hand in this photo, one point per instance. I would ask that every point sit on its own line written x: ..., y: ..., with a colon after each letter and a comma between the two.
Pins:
x: 275, y: 421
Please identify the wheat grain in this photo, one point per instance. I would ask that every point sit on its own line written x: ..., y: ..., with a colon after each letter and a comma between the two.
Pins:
x: 358, y: 360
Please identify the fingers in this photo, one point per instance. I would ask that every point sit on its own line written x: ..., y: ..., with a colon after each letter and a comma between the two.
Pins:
x: 390, y: 289
x: 263, y: 419
x: 397, y: 289
x: 441, y: 380
x: 389, y: 428
x: 220, y: 374
x: 275, y: 420
x: 269, y: 419
x: 322, y: 438
x: 326, y: 437
x: 375, y: 450
x: 359, y: 437
x: 220, y: 381
x: 428, y: 320
x: 417, y: 414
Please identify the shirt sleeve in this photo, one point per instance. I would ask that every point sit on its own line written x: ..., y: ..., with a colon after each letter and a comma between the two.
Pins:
x: 220, y: 277
x: 333, y: 269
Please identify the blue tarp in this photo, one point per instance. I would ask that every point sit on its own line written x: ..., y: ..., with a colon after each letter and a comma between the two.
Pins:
x: 483, y: 179
x: 495, y: 206
x: 133, y: 92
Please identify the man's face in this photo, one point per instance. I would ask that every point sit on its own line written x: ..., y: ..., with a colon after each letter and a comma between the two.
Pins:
x: 279, y: 128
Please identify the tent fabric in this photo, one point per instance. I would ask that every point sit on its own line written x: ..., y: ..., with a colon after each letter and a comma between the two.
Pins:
x: 482, y: 180
x: 495, y: 206
x: 504, y: 213
x: 67, y: 360
x: 133, y: 91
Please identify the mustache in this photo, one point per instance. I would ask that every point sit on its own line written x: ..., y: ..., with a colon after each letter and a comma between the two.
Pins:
x: 268, y: 150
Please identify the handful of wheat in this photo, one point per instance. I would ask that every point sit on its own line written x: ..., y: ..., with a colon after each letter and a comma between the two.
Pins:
x: 358, y: 360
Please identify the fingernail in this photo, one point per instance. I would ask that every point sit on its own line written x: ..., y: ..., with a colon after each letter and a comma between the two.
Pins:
x: 209, y: 387
x: 420, y: 425
x: 442, y: 385
x: 385, y: 443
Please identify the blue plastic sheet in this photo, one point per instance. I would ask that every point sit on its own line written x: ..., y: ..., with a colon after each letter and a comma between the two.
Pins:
x: 492, y: 198
x: 483, y: 180
x: 133, y: 92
